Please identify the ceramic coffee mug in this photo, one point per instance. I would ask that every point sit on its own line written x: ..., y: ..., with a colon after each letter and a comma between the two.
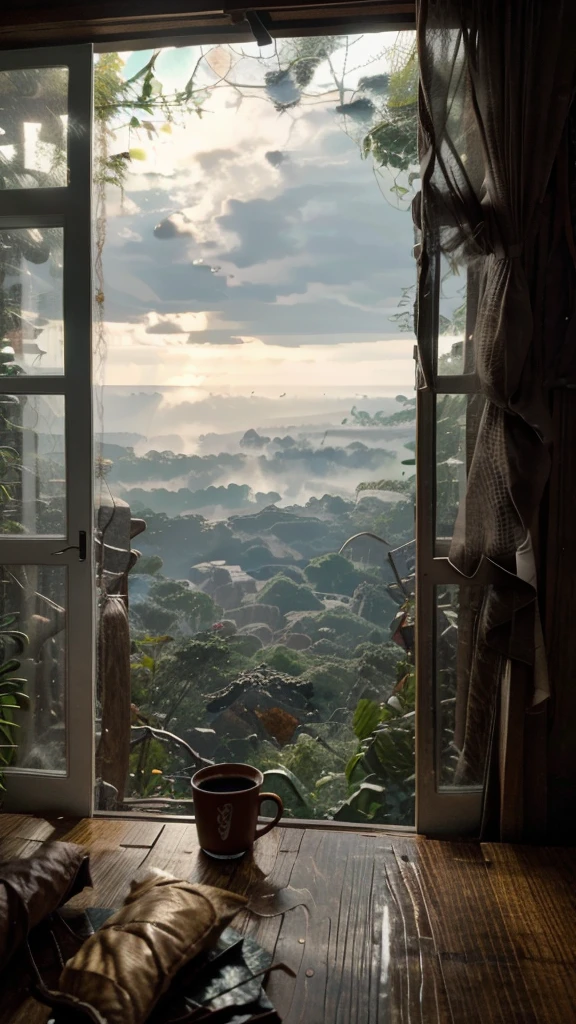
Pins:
x: 227, y: 801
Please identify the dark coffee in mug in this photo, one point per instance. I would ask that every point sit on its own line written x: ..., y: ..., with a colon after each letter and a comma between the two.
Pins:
x: 227, y: 801
x: 221, y: 784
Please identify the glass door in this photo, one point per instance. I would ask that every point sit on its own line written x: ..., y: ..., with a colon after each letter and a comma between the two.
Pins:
x: 46, y: 587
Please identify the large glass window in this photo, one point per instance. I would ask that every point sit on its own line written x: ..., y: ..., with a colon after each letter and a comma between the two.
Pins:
x: 33, y: 127
x: 31, y: 301
x: 256, y: 421
x: 34, y: 606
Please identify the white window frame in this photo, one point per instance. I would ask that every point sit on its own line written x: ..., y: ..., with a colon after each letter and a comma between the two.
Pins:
x: 68, y: 207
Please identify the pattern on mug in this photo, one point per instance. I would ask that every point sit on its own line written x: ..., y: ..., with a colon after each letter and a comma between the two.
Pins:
x: 224, y: 819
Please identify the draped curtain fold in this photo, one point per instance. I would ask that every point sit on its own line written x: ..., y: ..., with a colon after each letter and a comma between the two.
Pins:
x: 497, y: 84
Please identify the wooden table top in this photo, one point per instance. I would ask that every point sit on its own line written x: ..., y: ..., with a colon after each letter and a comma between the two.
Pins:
x: 378, y: 929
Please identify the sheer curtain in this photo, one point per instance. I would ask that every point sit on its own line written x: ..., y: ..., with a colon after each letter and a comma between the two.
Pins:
x: 497, y: 83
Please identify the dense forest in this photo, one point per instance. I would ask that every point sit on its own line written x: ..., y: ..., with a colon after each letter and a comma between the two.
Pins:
x: 282, y: 634
x: 279, y: 636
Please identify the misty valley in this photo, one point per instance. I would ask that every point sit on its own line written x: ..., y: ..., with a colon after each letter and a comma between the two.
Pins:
x: 254, y: 639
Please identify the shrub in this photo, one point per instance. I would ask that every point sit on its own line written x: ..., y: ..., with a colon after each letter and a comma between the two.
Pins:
x: 285, y: 660
x: 288, y: 596
x: 333, y: 573
x: 344, y: 627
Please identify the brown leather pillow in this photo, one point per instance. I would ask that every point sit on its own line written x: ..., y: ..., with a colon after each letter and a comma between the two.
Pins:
x: 33, y: 887
x: 121, y: 971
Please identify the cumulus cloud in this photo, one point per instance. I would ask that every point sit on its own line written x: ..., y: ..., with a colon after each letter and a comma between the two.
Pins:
x: 211, y: 159
x: 164, y: 327
x: 213, y: 338
x: 275, y: 157
x: 175, y: 225
x: 297, y: 259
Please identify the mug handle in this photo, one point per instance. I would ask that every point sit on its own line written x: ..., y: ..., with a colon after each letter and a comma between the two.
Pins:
x: 266, y: 828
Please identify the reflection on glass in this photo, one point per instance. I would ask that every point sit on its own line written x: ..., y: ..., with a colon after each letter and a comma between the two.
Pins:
x: 259, y: 421
x: 33, y: 605
x: 33, y: 128
x: 31, y: 311
x: 32, y: 465
x: 453, y: 357
x: 451, y: 413
x: 457, y: 610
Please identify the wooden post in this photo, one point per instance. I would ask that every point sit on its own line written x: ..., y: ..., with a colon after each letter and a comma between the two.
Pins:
x: 116, y: 529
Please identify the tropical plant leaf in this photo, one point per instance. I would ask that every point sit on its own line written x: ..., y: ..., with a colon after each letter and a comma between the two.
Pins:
x: 292, y: 781
x: 16, y: 637
x: 363, y: 804
x: 9, y: 666
x: 331, y: 777
x: 8, y: 687
x: 367, y: 716
x: 354, y: 760
x: 144, y: 70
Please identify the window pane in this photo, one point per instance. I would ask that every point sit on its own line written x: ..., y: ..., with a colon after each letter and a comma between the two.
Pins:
x: 31, y: 301
x: 457, y: 611
x: 450, y: 460
x: 33, y: 128
x: 33, y: 632
x: 32, y: 465
x: 457, y: 420
x: 458, y: 294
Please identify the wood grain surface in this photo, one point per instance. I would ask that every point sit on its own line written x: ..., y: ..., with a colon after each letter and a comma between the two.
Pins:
x: 377, y: 929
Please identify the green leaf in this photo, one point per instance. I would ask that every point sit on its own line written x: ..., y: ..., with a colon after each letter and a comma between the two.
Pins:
x: 399, y: 191
x: 367, y: 716
x: 408, y: 462
x: 18, y: 639
x: 147, y: 662
x: 144, y: 70
x: 349, y: 769
x: 134, y: 122
x: 9, y: 666
x: 288, y: 778
x: 23, y: 701
x: 363, y: 804
x: 331, y: 777
x: 137, y: 154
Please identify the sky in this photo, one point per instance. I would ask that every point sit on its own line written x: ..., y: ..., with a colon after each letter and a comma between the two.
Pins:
x: 256, y: 251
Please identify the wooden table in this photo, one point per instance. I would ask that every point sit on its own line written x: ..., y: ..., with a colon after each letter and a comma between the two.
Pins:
x: 378, y: 928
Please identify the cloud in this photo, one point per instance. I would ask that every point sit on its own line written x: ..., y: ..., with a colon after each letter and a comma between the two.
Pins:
x: 213, y: 338
x: 129, y: 234
x: 275, y: 157
x: 176, y: 323
x: 265, y: 229
x: 210, y: 160
x: 302, y: 258
x: 177, y: 224
x: 164, y: 327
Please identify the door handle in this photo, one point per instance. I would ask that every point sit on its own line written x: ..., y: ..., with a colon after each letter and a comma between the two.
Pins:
x: 80, y: 547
